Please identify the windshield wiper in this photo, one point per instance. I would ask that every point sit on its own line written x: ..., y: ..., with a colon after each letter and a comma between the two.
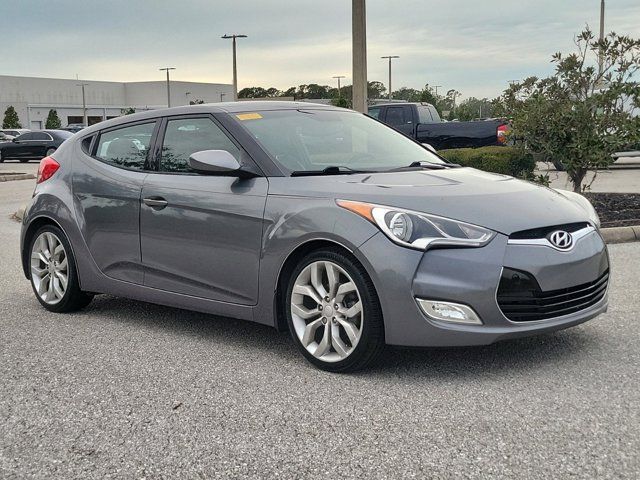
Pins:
x: 425, y: 165
x: 332, y: 170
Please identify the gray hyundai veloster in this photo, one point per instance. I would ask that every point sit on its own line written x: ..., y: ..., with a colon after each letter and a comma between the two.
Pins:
x: 309, y: 218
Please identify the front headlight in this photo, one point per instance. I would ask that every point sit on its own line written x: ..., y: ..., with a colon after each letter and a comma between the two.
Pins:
x: 419, y: 230
x: 584, y: 203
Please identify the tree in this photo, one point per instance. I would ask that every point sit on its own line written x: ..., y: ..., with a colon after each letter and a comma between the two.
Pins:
x: 127, y: 111
x: 582, y: 114
x: 11, y: 119
x: 376, y: 89
x: 196, y: 101
x: 408, y: 94
x: 53, y: 121
x: 473, y: 108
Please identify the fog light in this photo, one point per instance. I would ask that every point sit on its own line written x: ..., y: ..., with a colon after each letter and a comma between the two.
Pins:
x: 449, y: 312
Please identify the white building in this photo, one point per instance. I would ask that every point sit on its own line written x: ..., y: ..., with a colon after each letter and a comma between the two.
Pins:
x: 33, y: 97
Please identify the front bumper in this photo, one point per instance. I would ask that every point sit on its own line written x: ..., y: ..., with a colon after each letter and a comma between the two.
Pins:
x: 471, y: 276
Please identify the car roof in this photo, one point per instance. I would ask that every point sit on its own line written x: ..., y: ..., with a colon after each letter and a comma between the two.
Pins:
x: 221, y: 107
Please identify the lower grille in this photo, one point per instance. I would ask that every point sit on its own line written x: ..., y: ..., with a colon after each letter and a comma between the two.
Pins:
x: 521, y: 299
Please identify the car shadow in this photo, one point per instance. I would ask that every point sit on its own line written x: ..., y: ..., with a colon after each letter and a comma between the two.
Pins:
x: 511, y: 356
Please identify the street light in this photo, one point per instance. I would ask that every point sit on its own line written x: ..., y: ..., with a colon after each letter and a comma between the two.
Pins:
x: 601, y: 53
x: 186, y: 94
x: 84, y: 104
x: 339, y: 77
x: 235, y: 69
x: 168, y: 86
x: 390, y: 57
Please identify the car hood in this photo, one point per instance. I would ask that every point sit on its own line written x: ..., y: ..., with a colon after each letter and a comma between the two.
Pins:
x: 498, y: 202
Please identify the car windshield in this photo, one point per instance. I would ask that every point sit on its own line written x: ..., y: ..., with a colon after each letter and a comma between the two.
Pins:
x: 313, y: 140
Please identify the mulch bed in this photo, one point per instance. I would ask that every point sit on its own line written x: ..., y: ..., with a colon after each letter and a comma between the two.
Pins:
x: 616, y: 209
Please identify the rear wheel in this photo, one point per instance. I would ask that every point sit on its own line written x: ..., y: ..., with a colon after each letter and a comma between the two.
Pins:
x: 24, y: 160
x: 333, y: 312
x: 53, y: 272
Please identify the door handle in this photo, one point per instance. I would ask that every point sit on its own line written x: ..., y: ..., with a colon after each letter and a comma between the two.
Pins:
x: 157, y: 203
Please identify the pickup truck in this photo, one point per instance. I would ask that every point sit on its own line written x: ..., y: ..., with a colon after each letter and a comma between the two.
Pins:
x: 422, y: 122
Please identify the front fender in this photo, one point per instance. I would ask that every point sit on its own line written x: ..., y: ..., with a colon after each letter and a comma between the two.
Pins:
x: 291, y: 222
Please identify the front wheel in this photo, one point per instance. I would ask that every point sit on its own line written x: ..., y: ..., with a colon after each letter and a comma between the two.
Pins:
x: 53, y: 271
x: 333, y: 312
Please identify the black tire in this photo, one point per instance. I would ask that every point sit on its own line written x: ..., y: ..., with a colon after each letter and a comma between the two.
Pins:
x: 74, y: 299
x: 24, y: 160
x: 371, y: 343
x: 1, y: 157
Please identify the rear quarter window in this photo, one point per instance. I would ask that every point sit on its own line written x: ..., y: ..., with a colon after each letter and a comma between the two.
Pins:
x: 126, y: 147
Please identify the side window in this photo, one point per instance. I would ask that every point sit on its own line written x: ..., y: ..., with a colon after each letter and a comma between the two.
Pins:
x: 188, y: 135
x: 424, y: 114
x: 398, y: 116
x: 126, y: 147
x: 435, y: 114
x: 25, y: 137
x: 41, y: 136
x: 374, y: 112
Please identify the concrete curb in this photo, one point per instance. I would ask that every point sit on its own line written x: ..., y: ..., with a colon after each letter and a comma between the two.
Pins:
x: 610, y: 235
x: 621, y: 234
x: 9, y: 176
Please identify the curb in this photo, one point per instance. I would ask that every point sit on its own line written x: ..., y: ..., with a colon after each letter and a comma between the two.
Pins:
x: 9, y: 176
x: 621, y: 234
x: 609, y: 235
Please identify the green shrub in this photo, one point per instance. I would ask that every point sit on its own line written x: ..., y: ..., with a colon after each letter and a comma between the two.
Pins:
x: 505, y: 160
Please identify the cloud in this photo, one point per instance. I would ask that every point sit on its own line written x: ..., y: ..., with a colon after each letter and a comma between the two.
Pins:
x: 473, y: 46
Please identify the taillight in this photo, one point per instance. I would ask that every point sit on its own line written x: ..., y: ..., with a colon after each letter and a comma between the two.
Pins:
x: 502, y: 133
x: 48, y: 166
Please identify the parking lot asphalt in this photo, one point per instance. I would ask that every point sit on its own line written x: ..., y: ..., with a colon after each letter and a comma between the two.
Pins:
x: 126, y: 389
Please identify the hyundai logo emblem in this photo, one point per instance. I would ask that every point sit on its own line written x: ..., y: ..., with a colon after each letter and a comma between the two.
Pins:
x: 561, y: 239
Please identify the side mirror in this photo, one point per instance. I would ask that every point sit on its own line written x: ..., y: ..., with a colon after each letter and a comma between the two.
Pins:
x: 213, y: 161
x: 429, y: 147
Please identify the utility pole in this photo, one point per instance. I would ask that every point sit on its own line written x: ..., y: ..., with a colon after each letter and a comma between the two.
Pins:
x: 168, y: 85
x: 601, y: 55
x: 235, y: 68
x: 84, y: 105
x: 436, y: 87
x: 339, y: 77
x: 390, y: 57
x: 359, y: 54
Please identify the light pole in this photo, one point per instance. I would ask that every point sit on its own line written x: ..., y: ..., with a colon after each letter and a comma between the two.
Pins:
x: 436, y: 88
x: 186, y: 94
x: 339, y: 77
x: 390, y: 57
x: 601, y: 55
x: 84, y: 105
x: 235, y: 69
x: 168, y: 85
x: 222, y: 94
x: 359, y: 54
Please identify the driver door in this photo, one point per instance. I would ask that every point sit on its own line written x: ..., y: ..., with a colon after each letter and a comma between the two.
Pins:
x: 201, y: 235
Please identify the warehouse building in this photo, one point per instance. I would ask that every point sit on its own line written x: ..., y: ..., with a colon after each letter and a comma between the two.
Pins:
x: 33, y: 97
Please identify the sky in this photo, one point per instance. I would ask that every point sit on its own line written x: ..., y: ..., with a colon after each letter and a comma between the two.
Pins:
x: 474, y: 46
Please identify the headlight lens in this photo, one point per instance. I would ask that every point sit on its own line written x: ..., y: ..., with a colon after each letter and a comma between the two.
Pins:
x: 419, y: 230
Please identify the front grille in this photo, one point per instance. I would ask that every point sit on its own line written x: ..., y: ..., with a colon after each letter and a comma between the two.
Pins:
x: 543, y: 232
x: 521, y: 299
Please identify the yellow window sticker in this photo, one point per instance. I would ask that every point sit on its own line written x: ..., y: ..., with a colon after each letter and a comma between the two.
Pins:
x: 248, y: 116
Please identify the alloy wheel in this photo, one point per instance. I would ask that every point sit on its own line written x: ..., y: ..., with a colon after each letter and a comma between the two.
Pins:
x: 326, y: 309
x: 49, y: 268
